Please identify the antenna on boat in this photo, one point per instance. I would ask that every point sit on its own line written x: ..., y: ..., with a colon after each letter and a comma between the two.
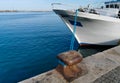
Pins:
x: 88, y: 6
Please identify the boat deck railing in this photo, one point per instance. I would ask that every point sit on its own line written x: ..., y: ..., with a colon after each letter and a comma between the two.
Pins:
x: 63, y: 6
x: 74, y: 7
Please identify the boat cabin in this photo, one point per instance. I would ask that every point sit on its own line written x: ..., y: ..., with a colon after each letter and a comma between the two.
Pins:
x: 113, y: 4
x: 111, y: 9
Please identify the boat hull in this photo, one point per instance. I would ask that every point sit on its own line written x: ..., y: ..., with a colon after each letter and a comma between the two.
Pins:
x: 92, y: 29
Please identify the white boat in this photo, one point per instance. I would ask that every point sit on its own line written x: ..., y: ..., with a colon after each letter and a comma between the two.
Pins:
x: 94, y: 26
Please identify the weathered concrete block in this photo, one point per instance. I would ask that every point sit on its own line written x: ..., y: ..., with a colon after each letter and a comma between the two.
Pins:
x: 70, y: 57
x: 70, y: 70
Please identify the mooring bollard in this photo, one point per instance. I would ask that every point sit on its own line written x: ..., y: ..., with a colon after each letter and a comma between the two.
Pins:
x: 68, y: 65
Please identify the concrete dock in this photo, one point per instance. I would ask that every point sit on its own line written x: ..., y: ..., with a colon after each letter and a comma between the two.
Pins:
x: 103, y: 67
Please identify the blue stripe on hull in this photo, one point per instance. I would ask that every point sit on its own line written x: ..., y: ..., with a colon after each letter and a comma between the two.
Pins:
x: 77, y: 23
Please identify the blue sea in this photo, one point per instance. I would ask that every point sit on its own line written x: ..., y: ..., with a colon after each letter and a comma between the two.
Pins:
x: 30, y: 42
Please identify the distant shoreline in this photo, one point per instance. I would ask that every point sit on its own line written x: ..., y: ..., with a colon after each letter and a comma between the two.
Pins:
x: 25, y: 10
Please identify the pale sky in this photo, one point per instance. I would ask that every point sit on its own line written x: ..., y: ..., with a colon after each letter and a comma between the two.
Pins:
x: 40, y: 4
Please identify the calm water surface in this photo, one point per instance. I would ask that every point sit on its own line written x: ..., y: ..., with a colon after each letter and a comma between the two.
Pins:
x: 29, y: 43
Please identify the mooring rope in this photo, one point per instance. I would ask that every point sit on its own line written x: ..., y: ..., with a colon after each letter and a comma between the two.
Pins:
x: 74, y: 31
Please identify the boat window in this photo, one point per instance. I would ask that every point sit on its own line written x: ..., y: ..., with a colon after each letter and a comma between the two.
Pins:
x: 107, y: 6
x: 111, y: 6
x: 116, y: 6
x: 119, y: 14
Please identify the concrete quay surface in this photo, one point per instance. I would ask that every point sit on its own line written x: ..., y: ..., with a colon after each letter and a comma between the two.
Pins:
x: 103, y: 67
